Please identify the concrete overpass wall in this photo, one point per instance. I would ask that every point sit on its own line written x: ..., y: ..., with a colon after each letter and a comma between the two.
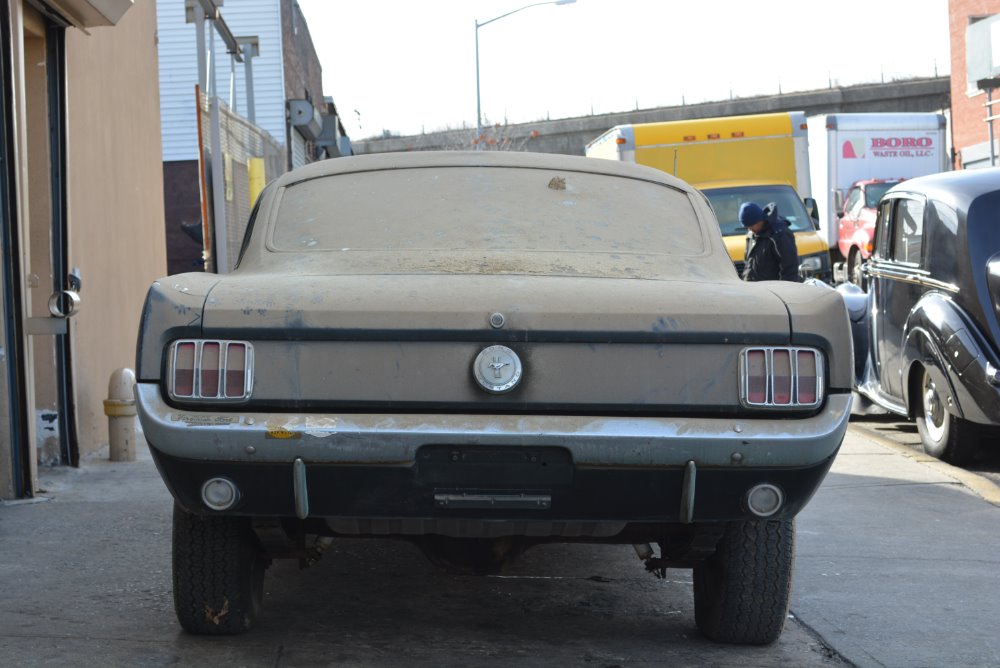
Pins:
x: 570, y: 135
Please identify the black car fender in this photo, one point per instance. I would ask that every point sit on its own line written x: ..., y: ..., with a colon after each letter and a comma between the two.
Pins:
x: 922, y: 352
x: 943, y: 339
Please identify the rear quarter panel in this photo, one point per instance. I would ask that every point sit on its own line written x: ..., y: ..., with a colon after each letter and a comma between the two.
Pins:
x: 819, y: 318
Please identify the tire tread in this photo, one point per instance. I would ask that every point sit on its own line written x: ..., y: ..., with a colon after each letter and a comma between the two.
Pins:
x: 742, y: 592
x: 213, y: 573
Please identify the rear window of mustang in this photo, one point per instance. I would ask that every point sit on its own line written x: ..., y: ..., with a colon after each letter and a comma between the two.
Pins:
x: 491, y: 209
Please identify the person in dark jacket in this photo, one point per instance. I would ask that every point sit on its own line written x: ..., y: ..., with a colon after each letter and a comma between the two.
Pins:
x: 771, y: 254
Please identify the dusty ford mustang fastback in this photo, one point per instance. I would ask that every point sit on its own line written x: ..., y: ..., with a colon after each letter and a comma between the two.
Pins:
x: 484, y: 351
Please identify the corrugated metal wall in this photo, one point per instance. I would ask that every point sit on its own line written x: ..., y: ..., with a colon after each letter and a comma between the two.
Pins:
x: 179, y: 72
x: 299, y: 156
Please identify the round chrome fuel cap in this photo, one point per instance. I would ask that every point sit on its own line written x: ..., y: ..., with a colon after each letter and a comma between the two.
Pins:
x: 497, y: 369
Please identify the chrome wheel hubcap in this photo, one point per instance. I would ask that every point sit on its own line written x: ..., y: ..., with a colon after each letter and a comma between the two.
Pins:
x: 933, y: 410
x: 855, y: 269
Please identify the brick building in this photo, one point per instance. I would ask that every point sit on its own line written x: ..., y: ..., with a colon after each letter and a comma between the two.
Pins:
x: 970, y: 133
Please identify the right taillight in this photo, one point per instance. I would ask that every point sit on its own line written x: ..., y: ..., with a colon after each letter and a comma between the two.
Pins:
x: 781, y: 377
x: 210, y: 370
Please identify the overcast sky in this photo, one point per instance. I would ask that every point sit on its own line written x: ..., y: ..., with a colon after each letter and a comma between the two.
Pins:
x: 408, y: 66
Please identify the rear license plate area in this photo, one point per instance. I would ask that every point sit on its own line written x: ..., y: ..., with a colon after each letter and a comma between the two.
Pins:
x: 482, y: 467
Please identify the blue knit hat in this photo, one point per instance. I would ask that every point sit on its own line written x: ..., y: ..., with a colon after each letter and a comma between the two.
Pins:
x: 750, y: 214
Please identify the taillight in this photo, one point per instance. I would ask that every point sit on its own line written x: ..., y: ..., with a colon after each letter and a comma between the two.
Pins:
x: 808, y: 376
x: 210, y: 370
x: 755, y: 375
x: 779, y: 377
x: 237, y: 372
x: 182, y: 369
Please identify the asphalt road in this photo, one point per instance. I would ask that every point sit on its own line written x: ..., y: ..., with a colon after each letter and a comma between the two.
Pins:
x: 85, y: 581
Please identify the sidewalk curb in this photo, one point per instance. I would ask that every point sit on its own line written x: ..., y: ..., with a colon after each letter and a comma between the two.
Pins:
x: 985, y: 489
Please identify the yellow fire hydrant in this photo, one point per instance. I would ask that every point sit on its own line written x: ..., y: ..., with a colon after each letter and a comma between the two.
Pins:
x: 120, y: 409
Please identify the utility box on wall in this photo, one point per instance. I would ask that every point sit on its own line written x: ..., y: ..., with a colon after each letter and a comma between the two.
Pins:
x: 982, y: 54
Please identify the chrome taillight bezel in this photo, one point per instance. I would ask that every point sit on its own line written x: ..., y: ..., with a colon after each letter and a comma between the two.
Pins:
x: 795, y: 402
x: 222, y: 393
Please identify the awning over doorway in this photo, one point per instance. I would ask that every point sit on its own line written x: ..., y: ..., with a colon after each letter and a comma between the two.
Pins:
x: 90, y: 13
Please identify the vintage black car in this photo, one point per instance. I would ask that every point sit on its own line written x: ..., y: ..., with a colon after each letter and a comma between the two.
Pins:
x: 927, y: 330
x: 480, y: 352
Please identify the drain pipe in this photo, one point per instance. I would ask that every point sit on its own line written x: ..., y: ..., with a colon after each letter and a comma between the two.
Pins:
x: 120, y: 409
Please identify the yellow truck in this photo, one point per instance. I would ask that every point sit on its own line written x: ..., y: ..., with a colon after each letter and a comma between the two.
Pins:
x: 758, y: 158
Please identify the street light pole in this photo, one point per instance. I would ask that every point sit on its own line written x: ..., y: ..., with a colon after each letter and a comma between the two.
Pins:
x: 479, y: 113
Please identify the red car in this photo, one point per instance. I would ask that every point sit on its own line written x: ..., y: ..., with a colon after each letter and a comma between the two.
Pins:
x: 857, y: 223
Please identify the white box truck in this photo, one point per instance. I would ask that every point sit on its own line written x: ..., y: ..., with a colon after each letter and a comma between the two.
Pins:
x: 848, y: 150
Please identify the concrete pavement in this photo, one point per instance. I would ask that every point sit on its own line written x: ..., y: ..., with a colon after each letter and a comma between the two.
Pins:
x: 897, y: 566
x: 898, y: 562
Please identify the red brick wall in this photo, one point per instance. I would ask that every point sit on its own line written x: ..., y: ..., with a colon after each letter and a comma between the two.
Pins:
x: 967, y: 113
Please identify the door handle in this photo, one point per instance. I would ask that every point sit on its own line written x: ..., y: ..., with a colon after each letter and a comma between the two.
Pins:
x: 64, y: 303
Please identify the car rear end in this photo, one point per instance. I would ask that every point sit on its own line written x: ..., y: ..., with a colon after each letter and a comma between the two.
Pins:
x: 575, y: 362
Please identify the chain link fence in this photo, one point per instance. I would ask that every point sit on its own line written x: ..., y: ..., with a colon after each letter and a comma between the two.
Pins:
x: 237, y: 160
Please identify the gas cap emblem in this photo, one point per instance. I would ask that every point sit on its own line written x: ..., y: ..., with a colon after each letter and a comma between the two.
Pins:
x: 497, y: 369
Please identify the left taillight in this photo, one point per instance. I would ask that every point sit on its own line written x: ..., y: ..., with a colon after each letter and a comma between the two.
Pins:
x: 213, y: 370
x: 781, y: 377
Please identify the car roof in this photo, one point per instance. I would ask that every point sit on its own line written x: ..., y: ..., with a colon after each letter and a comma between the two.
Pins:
x: 957, y: 189
x: 742, y: 183
x: 516, y: 159
x: 869, y: 182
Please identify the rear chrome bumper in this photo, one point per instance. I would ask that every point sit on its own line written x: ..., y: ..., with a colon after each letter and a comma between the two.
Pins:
x: 478, y: 475
x: 393, y: 440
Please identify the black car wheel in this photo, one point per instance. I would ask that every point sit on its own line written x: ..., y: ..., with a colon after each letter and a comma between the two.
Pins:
x: 943, y: 435
x: 741, y: 592
x: 218, y: 573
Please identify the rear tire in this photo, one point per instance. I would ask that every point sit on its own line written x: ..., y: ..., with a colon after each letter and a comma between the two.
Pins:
x: 741, y: 593
x: 218, y: 573
x: 949, y: 438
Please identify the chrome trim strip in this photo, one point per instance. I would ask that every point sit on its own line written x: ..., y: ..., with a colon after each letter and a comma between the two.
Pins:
x: 905, y: 277
x: 224, y: 434
x: 467, y: 501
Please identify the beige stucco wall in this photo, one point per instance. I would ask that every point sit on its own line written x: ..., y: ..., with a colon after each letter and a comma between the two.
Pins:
x: 115, y: 198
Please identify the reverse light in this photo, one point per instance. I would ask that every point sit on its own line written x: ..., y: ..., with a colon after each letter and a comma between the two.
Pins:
x: 210, y: 370
x: 219, y: 493
x: 765, y: 500
x: 781, y: 377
